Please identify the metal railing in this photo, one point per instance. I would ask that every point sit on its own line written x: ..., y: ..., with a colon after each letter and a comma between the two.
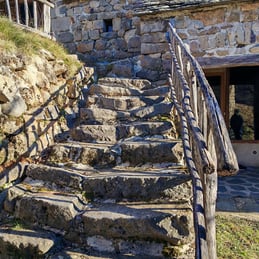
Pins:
x: 207, y: 146
x: 30, y: 14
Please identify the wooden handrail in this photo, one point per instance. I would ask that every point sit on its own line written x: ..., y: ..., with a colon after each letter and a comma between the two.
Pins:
x: 207, y: 146
x: 226, y: 157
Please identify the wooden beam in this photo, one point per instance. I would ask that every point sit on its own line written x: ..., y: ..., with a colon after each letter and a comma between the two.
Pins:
x: 47, y: 3
x: 229, y: 61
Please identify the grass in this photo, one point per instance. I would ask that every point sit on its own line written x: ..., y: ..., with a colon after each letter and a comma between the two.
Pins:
x: 19, y: 41
x: 237, y: 238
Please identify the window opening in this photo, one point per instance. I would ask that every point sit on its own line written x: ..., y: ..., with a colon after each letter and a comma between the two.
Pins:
x: 108, y: 25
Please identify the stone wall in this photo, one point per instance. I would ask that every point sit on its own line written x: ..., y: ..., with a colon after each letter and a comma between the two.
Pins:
x: 126, y: 42
x: 226, y: 30
x: 103, y: 32
x: 35, y: 97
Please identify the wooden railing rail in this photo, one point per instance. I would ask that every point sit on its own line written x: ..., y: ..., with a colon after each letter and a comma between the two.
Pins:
x: 31, y: 14
x: 207, y: 146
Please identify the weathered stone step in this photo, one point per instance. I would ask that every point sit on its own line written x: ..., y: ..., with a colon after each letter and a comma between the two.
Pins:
x: 103, y: 116
x: 127, y: 227
x: 99, y: 116
x: 122, y: 102
x: 99, y: 89
x: 140, y: 84
x: 79, y: 253
x: 136, y: 152
x: 109, y: 224
x: 140, y: 151
x: 24, y: 243
x: 113, y: 133
x: 118, y: 183
x: 93, y: 154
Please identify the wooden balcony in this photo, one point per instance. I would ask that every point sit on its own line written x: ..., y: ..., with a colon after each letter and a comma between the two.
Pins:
x: 33, y: 15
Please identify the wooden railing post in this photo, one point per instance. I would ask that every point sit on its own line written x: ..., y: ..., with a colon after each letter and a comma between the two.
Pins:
x: 17, y: 11
x: 8, y: 10
x: 46, y: 19
x: 35, y: 15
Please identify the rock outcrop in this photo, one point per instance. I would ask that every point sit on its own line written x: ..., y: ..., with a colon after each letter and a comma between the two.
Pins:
x: 36, y: 94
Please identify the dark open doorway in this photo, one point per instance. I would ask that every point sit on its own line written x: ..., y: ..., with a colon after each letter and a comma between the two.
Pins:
x: 237, y: 91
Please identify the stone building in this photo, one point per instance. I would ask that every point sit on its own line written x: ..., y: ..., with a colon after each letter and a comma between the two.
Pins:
x: 127, y: 38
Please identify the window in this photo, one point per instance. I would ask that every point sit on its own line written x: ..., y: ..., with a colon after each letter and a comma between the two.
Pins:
x: 107, y: 25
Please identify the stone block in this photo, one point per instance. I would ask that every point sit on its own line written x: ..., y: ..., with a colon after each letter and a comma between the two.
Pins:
x: 156, y: 37
x: 134, y: 44
x: 85, y: 47
x: 100, y: 44
x: 65, y: 37
x: 94, y: 34
x: 156, y: 26
x: 181, y: 22
x: 97, y: 25
x: 33, y: 243
x: 61, y: 24
x: 129, y: 34
x: 148, y: 62
x: 221, y: 39
x: 149, y: 48
x: 116, y: 23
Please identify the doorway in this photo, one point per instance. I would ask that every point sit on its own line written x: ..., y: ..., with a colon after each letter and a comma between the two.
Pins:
x: 237, y: 92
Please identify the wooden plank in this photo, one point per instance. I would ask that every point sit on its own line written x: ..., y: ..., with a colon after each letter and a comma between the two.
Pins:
x: 47, y: 3
x: 46, y: 19
x: 8, y: 9
x: 17, y: 11
x: 35, y: 15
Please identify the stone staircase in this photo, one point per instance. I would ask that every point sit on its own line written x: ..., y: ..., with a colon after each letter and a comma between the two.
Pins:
x: 116, y: 188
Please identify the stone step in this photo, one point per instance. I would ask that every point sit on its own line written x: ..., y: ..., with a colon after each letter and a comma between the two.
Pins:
x: 139, y: 151
x: 140, y: 84
x: 20, y: 242
x: 93, y: 154
x: 136, y: 151
x: 122, y: 102
x: 117, y: 183
x: 99, y: 89
x: 105, y: 227
x: 149, y: 248
x: 103, y: 116
x: 113, y: 133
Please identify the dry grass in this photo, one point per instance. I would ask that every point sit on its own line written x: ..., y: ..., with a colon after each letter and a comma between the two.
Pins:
x: 19, y: 41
